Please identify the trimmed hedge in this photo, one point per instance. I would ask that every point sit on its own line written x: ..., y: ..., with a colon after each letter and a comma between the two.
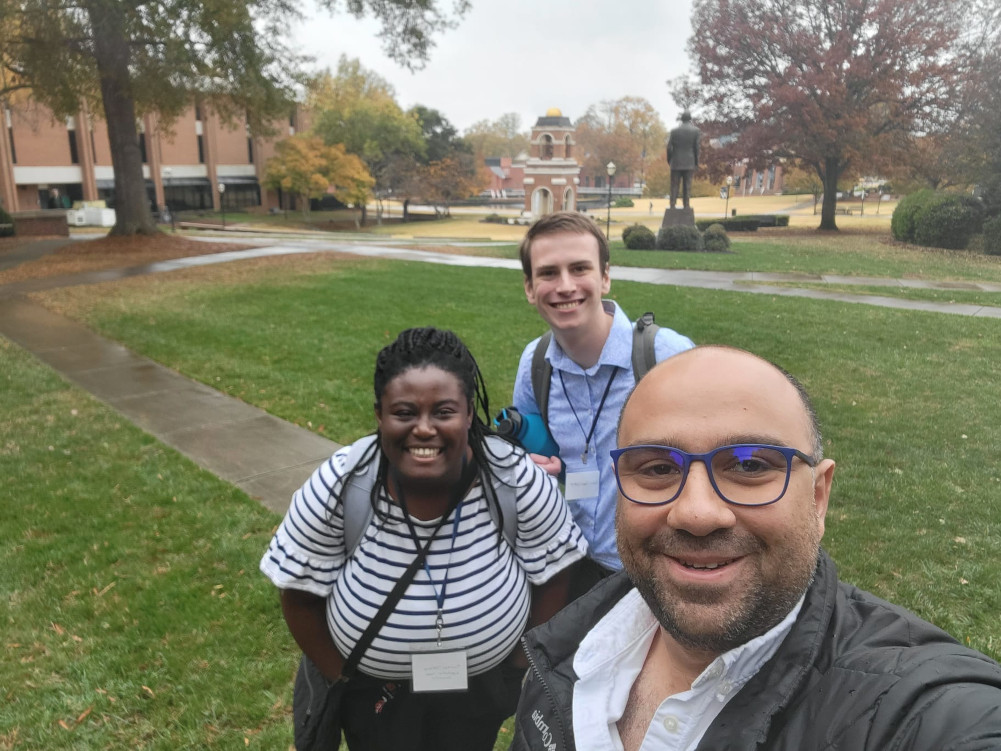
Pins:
x: 992, y: 236
x: 638, y: 237
x: 6, y: 224
x: 937, y: 220
x: 623, y: 202
x: 731, y: 223
x: 679, y: 237
x: 715, y: 240
x: 902, y: 222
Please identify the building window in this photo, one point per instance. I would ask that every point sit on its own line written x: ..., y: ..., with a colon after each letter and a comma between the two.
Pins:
x: 198, y: 112
x: 74, y: 154
x: 201, y: 150
x: 547, y: 147
x: 93, y: 146
x: 250, y: 149
x: 13, y: 151
x: 142, y: 146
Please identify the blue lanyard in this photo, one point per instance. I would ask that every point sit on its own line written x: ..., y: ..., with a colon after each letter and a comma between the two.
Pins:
x: 456, y: 502
x: 594, y: 423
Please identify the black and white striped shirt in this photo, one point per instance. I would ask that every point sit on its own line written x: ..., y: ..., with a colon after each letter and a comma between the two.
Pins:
x: 487, y: 594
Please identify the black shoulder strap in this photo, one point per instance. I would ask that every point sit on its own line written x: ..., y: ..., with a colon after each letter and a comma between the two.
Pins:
x: 644, y: 345
x: 351, y: 664
x: 542, y: 374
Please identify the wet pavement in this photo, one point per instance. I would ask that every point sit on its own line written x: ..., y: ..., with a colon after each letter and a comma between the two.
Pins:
x: 267, y: 457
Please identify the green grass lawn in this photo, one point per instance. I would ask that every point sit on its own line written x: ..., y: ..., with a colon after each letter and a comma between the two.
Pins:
x: 907, y: 400
x: 133, y: 613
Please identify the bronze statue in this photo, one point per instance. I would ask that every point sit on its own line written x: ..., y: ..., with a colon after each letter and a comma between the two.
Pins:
x: 683, y: 157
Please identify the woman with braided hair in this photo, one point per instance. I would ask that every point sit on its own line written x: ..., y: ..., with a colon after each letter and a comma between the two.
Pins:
x: 443, y: 671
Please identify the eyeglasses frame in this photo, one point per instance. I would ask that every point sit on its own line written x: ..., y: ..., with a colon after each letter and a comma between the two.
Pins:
x: 706, y: 459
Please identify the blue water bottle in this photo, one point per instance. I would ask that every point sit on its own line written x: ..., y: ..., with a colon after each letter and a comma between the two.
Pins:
x: 529, y: 430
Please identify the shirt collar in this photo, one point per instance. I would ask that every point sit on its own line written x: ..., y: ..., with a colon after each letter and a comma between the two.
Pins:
x: 630, y: 623
x: 617, y: 350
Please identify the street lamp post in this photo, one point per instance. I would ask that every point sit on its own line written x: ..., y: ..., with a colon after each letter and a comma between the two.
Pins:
x: 608, y: 219
x: 222, y: 203
x: 729, y: 184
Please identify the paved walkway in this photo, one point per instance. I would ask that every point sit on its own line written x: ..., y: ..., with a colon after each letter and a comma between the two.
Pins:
x: 267, y: 457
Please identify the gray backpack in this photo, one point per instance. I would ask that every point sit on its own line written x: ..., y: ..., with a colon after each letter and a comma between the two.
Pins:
x: 644, y: 358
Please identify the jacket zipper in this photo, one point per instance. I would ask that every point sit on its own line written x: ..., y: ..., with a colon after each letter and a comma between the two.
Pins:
x: 549, y: 694
x: 309, y: 704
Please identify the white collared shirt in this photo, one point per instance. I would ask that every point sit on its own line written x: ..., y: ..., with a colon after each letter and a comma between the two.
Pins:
x: 610, y: 658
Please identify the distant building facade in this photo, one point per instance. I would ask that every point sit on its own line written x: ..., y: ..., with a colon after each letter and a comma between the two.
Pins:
x: 507, y: 176
x: 46, y: 162
x: 551, y: 173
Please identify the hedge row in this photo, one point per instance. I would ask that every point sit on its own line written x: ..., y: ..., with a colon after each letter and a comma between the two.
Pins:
x: 746, y: 223
x: 679, y: 237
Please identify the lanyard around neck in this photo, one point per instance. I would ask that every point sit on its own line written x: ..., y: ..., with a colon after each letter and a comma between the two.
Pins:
x: 458, y: 491
x: 588, y: 434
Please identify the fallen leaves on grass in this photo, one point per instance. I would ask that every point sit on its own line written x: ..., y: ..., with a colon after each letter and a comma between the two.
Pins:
x: 80, y: 256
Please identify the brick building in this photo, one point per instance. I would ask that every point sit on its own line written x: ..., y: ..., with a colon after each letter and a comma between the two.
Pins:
x: 47, y: 162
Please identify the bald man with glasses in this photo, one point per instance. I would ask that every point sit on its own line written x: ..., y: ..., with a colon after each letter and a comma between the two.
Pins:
x: 729, y: 628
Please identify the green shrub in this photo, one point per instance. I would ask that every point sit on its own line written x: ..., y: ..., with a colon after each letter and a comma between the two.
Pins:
x: 731, y: 223
x: 679, y: 237
x: 638, y: 237
x: 992, y: 236
x: 6, y: 224
x: 715, y: 239
x: 623, y: 202
x: 948, y: 221
x: 903, y: 219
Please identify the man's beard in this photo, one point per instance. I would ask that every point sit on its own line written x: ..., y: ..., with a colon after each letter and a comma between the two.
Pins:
x: 730, y: 616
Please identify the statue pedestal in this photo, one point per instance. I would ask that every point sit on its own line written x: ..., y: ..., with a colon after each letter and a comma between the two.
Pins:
x: 675, y: 217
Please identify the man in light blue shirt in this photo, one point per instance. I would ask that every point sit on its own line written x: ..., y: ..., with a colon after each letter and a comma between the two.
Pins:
x: 566, y: 264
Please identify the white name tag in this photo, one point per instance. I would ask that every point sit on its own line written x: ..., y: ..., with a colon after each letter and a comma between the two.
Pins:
x: 581, y: 485
x: 439, y: 671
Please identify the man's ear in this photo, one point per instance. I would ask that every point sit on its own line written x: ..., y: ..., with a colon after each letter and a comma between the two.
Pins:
x: 823, y: 476
x: 529, y: 290
x: 606, y: 280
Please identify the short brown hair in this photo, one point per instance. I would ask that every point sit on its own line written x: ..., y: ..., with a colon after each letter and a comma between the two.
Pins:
x: 562, y: 221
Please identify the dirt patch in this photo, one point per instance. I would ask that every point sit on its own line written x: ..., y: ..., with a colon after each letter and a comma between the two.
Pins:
x: 81, y: 256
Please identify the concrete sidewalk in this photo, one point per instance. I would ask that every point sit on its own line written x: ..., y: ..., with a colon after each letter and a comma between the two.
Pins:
x: 267, y: 457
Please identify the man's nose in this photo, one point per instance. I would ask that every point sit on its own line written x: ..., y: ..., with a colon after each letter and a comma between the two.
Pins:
x: 699, y: 509
x: 566, y: 282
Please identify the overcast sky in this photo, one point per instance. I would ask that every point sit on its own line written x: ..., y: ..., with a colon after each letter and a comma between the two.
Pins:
x: 526, y: 56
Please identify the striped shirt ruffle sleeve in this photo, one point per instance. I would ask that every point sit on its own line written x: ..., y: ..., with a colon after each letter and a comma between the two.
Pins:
x: 307, y: 551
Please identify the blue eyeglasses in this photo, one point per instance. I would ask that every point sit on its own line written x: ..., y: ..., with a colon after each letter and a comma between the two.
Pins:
x: 746, y: 474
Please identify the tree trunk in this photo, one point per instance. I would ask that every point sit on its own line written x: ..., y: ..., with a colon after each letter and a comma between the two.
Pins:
x: 364, y: 213
x: 406, y: 210
x: 111, y: 52
x: 832, y: 172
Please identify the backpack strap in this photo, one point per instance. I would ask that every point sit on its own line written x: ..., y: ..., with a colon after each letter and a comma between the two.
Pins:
x: 542, y: 373
x: 644, y: 358
x: 644, y: 345
x: 356, y: 497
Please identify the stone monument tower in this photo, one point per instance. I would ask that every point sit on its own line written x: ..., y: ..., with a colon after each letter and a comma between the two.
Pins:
x: 551, y: 172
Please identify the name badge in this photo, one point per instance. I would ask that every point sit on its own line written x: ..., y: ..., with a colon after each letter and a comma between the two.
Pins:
x: 439, y: 671
x: 581, y: 485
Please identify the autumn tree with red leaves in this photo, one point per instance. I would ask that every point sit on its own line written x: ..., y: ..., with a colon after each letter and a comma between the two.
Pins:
x: 833, y: 85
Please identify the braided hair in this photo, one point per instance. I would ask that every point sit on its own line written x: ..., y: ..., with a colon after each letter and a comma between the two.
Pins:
x: 439, y: 348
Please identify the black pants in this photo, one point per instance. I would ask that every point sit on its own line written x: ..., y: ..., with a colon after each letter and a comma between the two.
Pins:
x: 681, y: 179
x: 380, y: 715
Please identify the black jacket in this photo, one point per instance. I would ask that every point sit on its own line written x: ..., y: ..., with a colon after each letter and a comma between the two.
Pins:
x: 854, y: 673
